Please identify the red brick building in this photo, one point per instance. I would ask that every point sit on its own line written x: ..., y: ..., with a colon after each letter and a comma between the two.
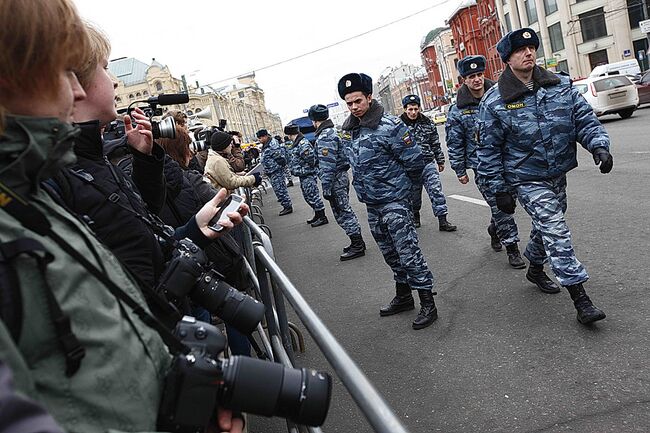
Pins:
x: 430, y: 62
x: 476, y: 32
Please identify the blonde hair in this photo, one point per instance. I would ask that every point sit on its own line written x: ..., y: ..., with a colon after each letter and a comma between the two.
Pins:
x: 39, y: 39
x: 99, y: 50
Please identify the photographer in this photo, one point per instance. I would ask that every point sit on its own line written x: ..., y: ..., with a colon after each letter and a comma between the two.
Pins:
x: 219, y: 171
x: 104, y: 370
x: 236, y: 158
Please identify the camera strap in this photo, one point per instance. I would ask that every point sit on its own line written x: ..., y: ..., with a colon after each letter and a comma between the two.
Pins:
x: 33, y: 219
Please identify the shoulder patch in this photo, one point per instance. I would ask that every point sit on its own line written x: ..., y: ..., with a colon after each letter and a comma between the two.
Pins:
x: 406, y: 138
x: 515, y: 106
x: 346, y: 136
x: 470, y: 111
x: 396, y: 120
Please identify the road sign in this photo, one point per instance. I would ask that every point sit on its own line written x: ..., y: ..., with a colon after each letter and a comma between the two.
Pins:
x: 644, y: 26
x: 333, y: 104
x: 551, y: 62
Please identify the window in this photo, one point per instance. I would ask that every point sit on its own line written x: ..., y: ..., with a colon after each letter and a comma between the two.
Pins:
x: 592, y: 25
x: 137, y: 95
x: 118, y: 100
x: 550, y: 6
x: 555, y: 34
x: 598, y: 58
x: 241, y: 94
x: 131, y: 96
x: 641, y: 45
x: 611, y: 82
x: 159, y: 86
x: 635, y: 12
x: 562, y: 66
x: 531, y: 12
x: 582, y: 88
x: 508, y: 23
x: 145, y: 93
x: 540, y: 50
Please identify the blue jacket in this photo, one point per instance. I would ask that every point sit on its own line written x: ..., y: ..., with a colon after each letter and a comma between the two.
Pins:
x: 331, y: 155
x: 303, y: 160
x: 531, y: 135
x: 273, y: 157
x: 461, y: 129
x: 384, y: 157
x: 426, y: 136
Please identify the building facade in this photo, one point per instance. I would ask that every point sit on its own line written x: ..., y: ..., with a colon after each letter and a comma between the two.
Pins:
x: 242, y: 105
x: 395, y: 83
x: 575, y: 36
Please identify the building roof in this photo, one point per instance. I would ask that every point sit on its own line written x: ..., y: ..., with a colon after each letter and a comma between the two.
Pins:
x: 432, y: 35
x: 131, y: 71
x: 463, y: 5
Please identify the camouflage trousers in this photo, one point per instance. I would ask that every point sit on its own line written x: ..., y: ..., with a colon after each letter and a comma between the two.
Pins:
x: 433, y: 186
x: 340, y: 203
x: 280, y: 188
x: 309, y: 188
x: 391, y: 225
x: 287, y: 173
x: 505, y: 224
x: 550, y: 239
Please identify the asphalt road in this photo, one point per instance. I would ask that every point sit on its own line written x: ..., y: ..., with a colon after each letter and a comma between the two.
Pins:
x: 502, y: 357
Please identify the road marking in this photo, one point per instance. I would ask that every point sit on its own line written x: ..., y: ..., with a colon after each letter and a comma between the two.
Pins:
x: 469, y: 199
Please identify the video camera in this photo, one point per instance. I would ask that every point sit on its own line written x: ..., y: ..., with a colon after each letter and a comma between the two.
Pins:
x: 200, y: 381
x: 188, y: 275
x: 166, y: 128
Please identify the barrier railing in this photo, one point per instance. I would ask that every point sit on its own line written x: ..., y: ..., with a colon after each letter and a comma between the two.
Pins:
x: 273, y: 286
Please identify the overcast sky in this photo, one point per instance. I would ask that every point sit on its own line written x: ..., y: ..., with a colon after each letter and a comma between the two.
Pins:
x: 221, y: 39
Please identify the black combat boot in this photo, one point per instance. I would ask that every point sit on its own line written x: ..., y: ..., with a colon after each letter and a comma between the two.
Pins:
x: 289, y: 183
x: 428, y: 311
x: 356, y: 249
x: 314, y: 218
x: 403, y: 301
x: 321, y: 219
x: 495, y: 242
x: 587, y: 312
x: 514, y: 257
x: 416, y: 219
x: 286, y: 211
x: 445, y: 226
x: 537, y: 276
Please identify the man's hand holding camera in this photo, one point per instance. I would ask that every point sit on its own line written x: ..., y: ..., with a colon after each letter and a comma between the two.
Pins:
x: 210, y: 209
x: 139, y: 137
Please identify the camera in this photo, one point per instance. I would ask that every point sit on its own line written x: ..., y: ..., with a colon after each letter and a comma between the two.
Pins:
x: 200, y: 381
x: 166, y: 128
x: 187, y: 275
x: 202, y: 141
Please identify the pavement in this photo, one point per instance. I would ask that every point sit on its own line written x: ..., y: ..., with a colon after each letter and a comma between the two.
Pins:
x: 502, y: 357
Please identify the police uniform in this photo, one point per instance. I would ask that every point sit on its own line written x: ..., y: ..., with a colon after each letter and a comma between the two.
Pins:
x: 528, y: 144
x: 304, y: 165
x: 461, y: 133
x: 426, y: 136
x: 333, y: 171
x: 274, y: 161
x: 385, y: 162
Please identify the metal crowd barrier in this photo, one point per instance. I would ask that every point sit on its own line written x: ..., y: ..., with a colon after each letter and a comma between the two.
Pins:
x: 272, y: 286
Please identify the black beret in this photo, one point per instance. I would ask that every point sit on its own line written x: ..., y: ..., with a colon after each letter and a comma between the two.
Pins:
x: 355, y: 83
x: 318, y: 112
x: 469, y: 65
x: 262, y: 133
x: 219, y: 140
x: 516, y: 39
x: 410, y: 99
x: 291, y: 129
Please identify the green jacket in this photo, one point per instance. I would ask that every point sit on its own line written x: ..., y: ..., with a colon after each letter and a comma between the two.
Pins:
x: 119, y: 384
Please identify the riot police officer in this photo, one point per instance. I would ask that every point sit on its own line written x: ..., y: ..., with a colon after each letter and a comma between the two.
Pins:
x: 333, y: 171
x: 529, y: 126
x: 461, y: 128
x: 385, y: 163
x: 274, y: 162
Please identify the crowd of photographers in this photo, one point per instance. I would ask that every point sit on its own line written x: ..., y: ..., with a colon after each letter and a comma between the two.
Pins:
x: 117, y: 256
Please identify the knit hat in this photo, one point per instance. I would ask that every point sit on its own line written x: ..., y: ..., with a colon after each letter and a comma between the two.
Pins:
x: 219, y: 140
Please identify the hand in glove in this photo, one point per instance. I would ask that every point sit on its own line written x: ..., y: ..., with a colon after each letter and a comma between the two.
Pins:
x: 505, y: 202
x: 603, y: 158
x: 258, y: 179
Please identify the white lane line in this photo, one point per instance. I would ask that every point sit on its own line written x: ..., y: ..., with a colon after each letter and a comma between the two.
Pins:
x: 469, y: 199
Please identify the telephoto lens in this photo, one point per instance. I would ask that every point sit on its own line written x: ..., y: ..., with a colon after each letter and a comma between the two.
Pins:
x: 263, y: 388
x: 166, y: 128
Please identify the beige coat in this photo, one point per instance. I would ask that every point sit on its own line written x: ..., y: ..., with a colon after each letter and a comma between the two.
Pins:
x: 217, y: 169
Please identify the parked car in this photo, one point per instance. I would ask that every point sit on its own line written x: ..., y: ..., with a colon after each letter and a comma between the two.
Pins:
x: 439, y: 118
x: 613, y: 94
x: 643, y: 87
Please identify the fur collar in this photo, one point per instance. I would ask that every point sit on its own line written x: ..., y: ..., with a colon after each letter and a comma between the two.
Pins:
x: 466, y: 99
x: 420, y: 119
x: 371, y: 119
x: 325, y: 124
x: 512, y: 89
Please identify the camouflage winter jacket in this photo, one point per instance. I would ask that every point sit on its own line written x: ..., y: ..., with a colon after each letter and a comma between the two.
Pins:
x: 426, y: 136
x: 385, y: 159
x: 303, y: 161
x: 461, y: 129
x: 531, y: 135
x: 273, y: 157
x: 331, y: 157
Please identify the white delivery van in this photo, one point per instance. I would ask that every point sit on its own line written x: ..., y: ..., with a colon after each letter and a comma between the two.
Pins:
x: 625, y: 67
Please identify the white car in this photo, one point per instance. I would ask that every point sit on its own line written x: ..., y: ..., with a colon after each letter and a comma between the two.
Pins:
x: 613, y: 94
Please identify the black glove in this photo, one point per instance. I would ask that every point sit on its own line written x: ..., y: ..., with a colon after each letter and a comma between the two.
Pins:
x: 604, y: 158
x: 505, y: 202
x: 258, y: 179
x: 328, y: 197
